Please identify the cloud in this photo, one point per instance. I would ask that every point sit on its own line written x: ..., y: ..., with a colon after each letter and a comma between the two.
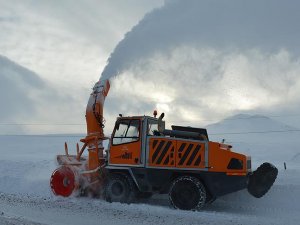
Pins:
x: 66, y: 40
x: 197, y: 86
x: 195, y: 60
x: 66, y: 44
x: 17, y: 84
x: 205, y: 60
x: 264, y: 24
x: 35, y: 106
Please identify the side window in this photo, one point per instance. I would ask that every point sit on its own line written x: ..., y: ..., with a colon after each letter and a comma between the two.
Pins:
x: 126, y: 131
x: 152, y: 127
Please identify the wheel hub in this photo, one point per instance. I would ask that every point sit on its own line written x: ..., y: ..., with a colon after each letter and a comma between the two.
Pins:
x: 117, y: 189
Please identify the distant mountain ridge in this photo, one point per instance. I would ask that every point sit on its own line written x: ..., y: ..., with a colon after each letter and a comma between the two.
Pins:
x: 18, y: 86
x: 248, y: 123
x: 26, y: 98
x: 10, y: 70
x: 258, y: 136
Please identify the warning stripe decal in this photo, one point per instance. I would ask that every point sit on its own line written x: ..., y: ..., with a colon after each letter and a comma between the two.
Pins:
x: 182, y: 147
x: 197, y: 163
x: 154, y: 143
x: 186, y: 153
x: 164, y: 152
x: 192, y: 157
x: 156, y: 152
x: 166, y: 160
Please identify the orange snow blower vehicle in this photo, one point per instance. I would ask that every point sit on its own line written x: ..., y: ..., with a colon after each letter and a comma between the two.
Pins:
x: 144, y: 158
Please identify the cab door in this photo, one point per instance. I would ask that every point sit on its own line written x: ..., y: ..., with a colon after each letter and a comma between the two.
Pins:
x: 125, y: 143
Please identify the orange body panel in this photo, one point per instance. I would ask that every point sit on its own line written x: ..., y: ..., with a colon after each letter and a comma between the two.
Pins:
x: 181, y: 154
x: 94, y: 160
x: 94, y: 109
x: 169, y: 152
x: 219, y: 158
x: 190, y: 154
x: 129, y: 154
x: 162, y: 152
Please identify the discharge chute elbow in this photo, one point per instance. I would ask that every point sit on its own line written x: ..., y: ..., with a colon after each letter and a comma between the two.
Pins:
x: 94, y: 109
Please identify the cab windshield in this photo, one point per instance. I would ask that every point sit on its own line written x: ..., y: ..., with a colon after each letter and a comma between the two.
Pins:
x: 126, y: 131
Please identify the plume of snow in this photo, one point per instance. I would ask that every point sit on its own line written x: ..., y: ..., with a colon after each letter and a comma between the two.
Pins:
x: 267, y: 24
x: 200, y: 59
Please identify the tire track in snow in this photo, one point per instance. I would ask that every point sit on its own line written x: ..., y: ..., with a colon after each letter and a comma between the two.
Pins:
x: 54, y: 210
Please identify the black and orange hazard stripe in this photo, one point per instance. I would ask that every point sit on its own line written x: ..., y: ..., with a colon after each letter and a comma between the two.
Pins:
x: 173, y: 153
x: 162, y: 152
x: 189, y: 154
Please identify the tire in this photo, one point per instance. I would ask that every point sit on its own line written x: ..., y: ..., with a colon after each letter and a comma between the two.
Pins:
x: 143, y: 195
x: 187, y: 193
x: 209, y: 198
x: 119, y: 188
x: 262, y: 180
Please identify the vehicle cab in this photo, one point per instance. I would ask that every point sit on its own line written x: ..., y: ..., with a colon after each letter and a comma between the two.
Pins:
x: 129, y: 140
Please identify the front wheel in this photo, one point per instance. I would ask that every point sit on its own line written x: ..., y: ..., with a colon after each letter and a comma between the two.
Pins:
x: 187, y: 193
x: 118, y: 188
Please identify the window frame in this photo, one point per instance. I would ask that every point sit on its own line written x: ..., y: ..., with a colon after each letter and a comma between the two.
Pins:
x: 138, y: 137
x: 148, y: 123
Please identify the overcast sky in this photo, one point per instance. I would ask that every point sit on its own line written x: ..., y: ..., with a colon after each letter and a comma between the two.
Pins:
x: 198, y: 61
x: 66, y: 45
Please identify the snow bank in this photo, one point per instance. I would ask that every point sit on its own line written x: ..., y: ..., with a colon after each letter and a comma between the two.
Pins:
x: 27, y: 162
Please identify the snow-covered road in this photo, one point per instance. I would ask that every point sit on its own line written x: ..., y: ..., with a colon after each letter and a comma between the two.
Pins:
x: 25, y: 198
x: 280, y: 206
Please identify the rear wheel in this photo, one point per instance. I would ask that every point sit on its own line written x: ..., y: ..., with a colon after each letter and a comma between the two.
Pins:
x: 187, y: 193
x: 119, y: 188
x: 209, y: 198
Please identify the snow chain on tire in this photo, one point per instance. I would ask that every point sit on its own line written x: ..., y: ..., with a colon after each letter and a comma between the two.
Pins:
x: 187, y: 193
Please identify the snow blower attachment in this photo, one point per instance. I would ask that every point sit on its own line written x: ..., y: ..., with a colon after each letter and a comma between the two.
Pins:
x: 65, y: 180
x: 144, y: 158
x: 76, y: 173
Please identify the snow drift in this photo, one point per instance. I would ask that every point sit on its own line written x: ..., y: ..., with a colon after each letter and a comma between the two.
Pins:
x: 25, y: 195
